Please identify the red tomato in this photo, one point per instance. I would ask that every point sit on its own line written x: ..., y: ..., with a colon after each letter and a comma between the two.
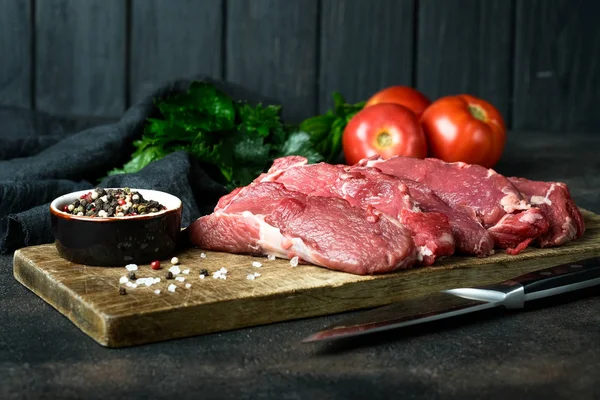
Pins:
x: 464, y: 128
x: 383, y: 129
x: 403, y: 95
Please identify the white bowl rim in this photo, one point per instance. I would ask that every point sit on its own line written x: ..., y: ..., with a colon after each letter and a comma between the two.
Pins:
x: 168, y: 200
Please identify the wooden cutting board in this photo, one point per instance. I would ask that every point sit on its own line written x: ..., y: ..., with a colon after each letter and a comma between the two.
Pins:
x: 89, y: 296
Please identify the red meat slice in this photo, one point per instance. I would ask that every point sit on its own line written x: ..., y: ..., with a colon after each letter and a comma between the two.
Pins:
x: 431, y: 231
x: 555, y: 202
x: 484, y: 193
x: 267, y: 218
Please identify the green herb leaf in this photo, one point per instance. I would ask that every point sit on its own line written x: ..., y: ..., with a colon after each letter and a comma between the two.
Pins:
x: 140, y: 159
x: 251, y: 151
x: 338, y: 101
x: 235, y: 140
x: 300, y: 144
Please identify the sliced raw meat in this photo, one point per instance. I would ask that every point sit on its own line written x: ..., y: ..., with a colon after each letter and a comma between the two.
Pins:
x: 267, y: 218
x: 489, y: 194
x: 471, y: 238
x: 515, y: 232
x: 431, y: 234
x: 483, y: 192
x: 555, y: 202
x: 431, y: 231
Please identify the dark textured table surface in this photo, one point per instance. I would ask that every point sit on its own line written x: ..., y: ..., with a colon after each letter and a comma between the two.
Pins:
x: 551, y: 350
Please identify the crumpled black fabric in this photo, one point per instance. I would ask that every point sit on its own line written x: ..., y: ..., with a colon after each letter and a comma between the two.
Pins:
x: 44, y: 156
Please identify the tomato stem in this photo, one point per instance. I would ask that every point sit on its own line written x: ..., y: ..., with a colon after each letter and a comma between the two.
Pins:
x: 384, y: 139
x: 477, y: 112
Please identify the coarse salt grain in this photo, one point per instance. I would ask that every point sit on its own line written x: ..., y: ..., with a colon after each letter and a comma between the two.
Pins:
x: 223, y: 270
x: 186, y: 271
x: 172, y: 288
x: 202, y: 255
x: 174, y: 260
x: 188, y: 285
x: 175, y: 270
x: 256, y: 274
x: 157, y: 291
x: 220, y: 275
x: 271, y: 257
x: 250, y: 277
x: 256, y: 264
x: 156, y: 280
x: 294, y: 261
x: 180, y: 279
x: 123, y: 279
x: 131, y: 285
x: 202, y: 277
x: 131, y: 267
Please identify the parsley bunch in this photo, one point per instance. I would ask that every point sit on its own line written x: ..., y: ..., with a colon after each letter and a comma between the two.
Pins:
x: 239, y: 140
x: 326, y: 130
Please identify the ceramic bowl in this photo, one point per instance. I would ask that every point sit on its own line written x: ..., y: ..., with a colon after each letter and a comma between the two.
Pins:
x: 117, y: 241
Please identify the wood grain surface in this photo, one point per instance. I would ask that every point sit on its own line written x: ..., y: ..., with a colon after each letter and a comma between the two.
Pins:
x: 360, y: 62
x: 464, y: 46
x: 271, y: 49
x: 89, y: 296
x: 80, y: 57
x: 173, y: 40
x: 15, y: 52
x: 557, y: 57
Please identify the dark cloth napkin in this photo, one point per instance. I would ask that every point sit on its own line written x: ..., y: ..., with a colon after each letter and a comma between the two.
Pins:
x: 44, y: 156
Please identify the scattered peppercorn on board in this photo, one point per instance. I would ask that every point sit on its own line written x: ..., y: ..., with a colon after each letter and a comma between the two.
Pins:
x: 240, y: 291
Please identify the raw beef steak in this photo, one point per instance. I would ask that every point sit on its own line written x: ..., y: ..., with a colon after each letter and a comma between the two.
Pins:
x: 555, y: 202
x: 473, y: 189
x: 431, y: 231
x: 471, y: 238
x: 267, y: 218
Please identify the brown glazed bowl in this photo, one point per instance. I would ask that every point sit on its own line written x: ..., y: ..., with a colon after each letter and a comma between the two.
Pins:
x: 116, y: 241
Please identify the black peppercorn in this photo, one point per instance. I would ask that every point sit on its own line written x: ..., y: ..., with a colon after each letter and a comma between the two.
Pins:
x: 122, y: 291
x: 110, y: 203
x: 204, y: 272
x: 131, y: 275
x: 169, y: 275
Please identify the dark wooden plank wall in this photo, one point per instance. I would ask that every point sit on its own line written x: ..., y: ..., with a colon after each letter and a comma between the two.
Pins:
x: 365, y: 45
x: 80, y: 56
x: 272, y: 48
x: 15, y: 52
x: 159, y: 52
x: 455, y: 56
x: 536, y: 60
x: 557, y: 65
